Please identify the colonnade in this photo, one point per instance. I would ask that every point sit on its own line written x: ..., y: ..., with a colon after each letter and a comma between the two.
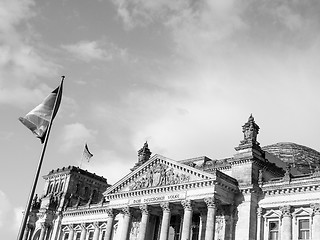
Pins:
x: 207, y: 221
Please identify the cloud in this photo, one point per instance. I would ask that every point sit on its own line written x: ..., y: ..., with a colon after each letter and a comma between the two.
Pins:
x: 88, y: 51
x: 21, y: 63
x: 17, y: 214
x: 76, y: 134
x: 5, y: 207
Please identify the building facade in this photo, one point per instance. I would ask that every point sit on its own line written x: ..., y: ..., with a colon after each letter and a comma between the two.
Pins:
x: 257, y: 194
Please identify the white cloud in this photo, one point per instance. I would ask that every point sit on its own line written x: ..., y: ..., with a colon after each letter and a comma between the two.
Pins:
x: 5, y: 207
x: 21, y: 64
x: 17, y: 214
x: 76, y: 134
x: 95, y: 50
x: 110, y: 165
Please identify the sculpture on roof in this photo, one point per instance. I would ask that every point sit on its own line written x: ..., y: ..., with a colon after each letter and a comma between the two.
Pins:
x: 250, y: 132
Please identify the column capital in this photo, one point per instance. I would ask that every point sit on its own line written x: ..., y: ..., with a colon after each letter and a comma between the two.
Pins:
x: 316, y: 208
x: 110, y: 212
x: 259, y: 211
x: 286, y: 210
x: 83, y: 226
x: 126, y: 211
x: 211, y: 202
x: 45, y: 225
x: 165, y: 206
x: 96, y: 224
x: 145, y: 209
x: 187, y: 204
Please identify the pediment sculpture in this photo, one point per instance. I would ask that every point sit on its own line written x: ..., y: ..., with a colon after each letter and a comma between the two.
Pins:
x: 159, y: 175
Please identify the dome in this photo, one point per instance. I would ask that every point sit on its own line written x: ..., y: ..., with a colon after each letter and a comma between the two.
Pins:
x: 303, y: 158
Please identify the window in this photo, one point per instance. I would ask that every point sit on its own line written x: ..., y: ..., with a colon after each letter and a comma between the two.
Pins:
x: 61, y: 186
x: 66, y: 236
x: 78, y: 234
x: 304, y: 229
x: 273, y: 230
x: 56, y: 187
x: 50, y: 188
x: 90, y: 235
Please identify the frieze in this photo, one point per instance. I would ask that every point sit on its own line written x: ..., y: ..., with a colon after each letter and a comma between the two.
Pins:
x: 159, y: 175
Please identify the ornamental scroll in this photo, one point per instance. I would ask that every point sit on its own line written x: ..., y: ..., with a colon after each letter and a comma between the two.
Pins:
x: 159, y: 175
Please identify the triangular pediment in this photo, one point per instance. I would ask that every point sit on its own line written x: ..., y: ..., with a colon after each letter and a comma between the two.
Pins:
x: 301, y: 212
x: 157, y: 172
x: 272, y: 214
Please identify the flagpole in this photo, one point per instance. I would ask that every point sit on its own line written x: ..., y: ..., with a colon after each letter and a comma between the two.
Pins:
x: 81, y: 158
x: 35, y: 181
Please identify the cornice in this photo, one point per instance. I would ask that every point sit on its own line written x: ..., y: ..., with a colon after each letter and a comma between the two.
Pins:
x: 173, y: 188
x: 86, y: 211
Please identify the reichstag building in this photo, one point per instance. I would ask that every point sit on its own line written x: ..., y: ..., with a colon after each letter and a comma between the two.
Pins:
x: 259, y: 193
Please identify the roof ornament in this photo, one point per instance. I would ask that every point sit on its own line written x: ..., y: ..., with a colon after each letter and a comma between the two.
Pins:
x: 143, y: 155
x: 250, y: 132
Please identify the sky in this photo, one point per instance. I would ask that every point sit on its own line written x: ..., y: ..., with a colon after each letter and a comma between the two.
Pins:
x: 183, y: 75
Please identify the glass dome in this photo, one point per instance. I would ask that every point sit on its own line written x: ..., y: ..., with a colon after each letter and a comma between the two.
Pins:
x: 303, y: 158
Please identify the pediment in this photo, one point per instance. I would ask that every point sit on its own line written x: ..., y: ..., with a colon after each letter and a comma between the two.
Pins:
x: 272, y: 214
x: 302, y: 212
x: 157, y: 172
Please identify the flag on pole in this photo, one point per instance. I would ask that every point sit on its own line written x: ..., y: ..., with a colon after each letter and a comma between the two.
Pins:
x: 38, y: 119
x: 86, y: 153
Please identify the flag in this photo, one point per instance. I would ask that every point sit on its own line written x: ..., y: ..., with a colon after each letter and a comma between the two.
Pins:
x: 86, y: 153
x: 38, y: 119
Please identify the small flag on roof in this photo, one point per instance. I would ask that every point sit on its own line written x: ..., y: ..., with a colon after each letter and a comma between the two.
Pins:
x: 86, y: 153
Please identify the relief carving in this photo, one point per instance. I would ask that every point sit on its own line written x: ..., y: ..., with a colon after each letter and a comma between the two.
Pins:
x: 159, y: 175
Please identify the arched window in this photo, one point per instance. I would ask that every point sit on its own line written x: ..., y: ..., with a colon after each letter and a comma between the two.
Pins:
x: 61, y: 186
x: 56, y: 187
x: 50, y: 187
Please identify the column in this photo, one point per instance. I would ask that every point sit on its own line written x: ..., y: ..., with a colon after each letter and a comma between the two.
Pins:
x: 315, y: 234
x: 126, y: 223
x: 56, y: 227
x: 202, y: 227
x: 109, y: 226
x: 43, y: 232
x: 165, y: 223
x: 144, y: 221
x: 286, y: 226
x: 96, y: 231
x: 71, y: 232
x: 27, y: 232
x: 259, y: 224
x: 187, y: 219
x: 211, y: 218
x: 83, y: 231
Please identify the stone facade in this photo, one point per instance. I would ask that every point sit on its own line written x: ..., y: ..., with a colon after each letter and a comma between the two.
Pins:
x: 250, y: 196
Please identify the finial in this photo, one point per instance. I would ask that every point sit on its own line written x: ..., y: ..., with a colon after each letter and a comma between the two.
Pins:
x: 250, y: 131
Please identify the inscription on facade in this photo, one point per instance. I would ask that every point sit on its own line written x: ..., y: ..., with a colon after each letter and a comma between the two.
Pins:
x: 157, y: 199
x: 159, y: 175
